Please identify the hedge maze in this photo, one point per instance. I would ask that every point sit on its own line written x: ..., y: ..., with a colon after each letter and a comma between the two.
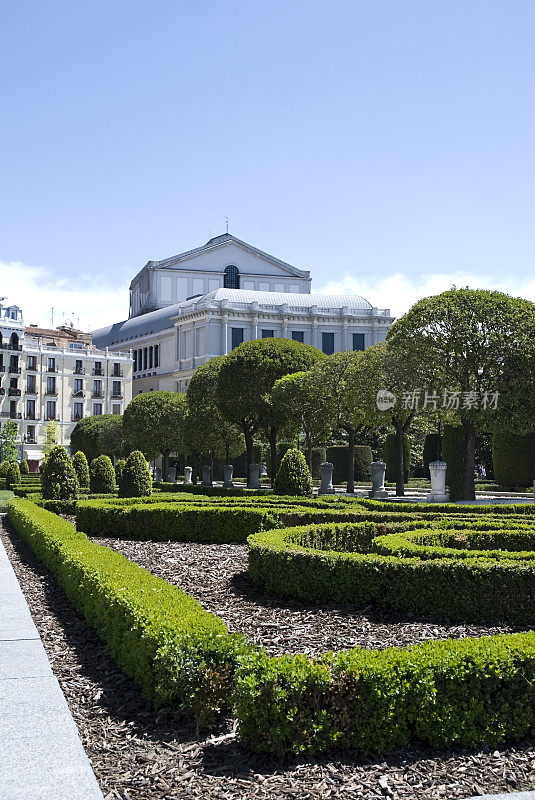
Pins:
x: 463, y: 563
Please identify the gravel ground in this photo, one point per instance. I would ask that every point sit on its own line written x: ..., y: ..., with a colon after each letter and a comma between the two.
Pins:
x: 215, y: 575
x: 138, y: 755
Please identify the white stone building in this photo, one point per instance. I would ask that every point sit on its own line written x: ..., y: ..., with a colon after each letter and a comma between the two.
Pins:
x: 187, y: 309
x: 56, y: 375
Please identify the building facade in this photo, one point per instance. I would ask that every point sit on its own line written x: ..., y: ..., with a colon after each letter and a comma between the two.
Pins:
x: 237, y: 293
x: 56, y: 376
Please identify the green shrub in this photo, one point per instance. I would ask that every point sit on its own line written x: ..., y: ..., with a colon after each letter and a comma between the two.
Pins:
x: 4, y: 466
x: 454, y: 453
x: 13, y: 475
x: 513, y: 458
x: 293, y: 477
x: 102, y: 475
x: 119, y: 467
x: 363, y: 462
x: 81, y: 467
x: 180, y: 655
x: 319, y: 457
x: 24, y: 469
x: 430, y: 451
x: 464, y: 693
x: 136, y: 480
x: 389, y: 457
x: 338, y: 455
x: 58, y: 477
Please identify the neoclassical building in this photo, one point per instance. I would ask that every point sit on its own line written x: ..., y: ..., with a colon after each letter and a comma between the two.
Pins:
x: 189, y: 308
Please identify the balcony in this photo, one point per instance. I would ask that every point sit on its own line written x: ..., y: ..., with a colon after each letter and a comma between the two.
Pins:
x: 2, y: 368
x: 33, y: 417
x: 51, y: 392
x: 31, y: 390
x: 97, y: 395
x: 11, y: 414
x: 51, y: 418
x: 31, y: 440
x: 79, y: 371
x: 79, y: 393
x: 31, y: 367
x: 98, y: 371
x: 76, y: 417
x: 51, y: 369
x: 8, y: 346
x: 2, y: 391
x: 14, y: 370
x: 117, y: 395
x: 117, y: 374
x: 12, y: 392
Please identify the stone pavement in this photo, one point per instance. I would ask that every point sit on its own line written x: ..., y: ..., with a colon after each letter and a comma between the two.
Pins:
x: 41, y: 755
x: 512, y: 796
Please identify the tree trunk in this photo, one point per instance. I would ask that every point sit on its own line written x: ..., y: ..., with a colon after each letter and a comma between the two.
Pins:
x: 351, y: 460
x: 165, y: 465
x: 196, y: 467
x: 309, y: 452
x: 249, y: 446
x: 273, y: 452
x: 400, y: 459
x: 469, y: 489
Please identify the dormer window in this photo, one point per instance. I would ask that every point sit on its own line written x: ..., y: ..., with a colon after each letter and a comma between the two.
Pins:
x: 232, y: 277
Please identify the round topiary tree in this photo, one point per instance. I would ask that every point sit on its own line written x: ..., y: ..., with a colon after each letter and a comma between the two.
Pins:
x: 293, y: 477
x: 13, y: 475
x: 119, y: 467
x: 58, y: 476
x: 24, y: 468
x: 102, y: 476
x: 136, y: 480
x: 81, y: 467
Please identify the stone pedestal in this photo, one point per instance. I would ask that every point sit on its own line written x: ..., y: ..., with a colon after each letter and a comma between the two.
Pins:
x: 438, y: 493
x: 378, y: 491
x: 207, y: 475
x: 254, y: 477
x: 187, y: 476
x: 326, y: 479
x: 228, y: 473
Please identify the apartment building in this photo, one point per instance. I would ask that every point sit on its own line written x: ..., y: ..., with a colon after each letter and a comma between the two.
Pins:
x: 56, y: 375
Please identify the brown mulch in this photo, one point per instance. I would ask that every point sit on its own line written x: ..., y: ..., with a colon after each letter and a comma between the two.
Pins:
x: 138, y: 754
x: 216, y: 576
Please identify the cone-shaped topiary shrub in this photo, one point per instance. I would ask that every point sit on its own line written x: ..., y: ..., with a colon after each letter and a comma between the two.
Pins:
x: 119, y: 467
x: 81, y: 467
x: 136, y: 480
x: 58, y: 476
x: 24, y: 468
x: 4, y: 466
x: 102, y: 476
x: 293, y: 476
x: 13, y: 475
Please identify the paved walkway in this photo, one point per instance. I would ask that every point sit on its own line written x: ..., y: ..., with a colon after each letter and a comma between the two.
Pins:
x: 41, y: 755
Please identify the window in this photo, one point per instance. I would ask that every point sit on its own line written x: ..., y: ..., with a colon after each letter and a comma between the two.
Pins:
x: 116, y: 408
x: 135, y: 360
x: 30, y: 384
x: 50, y: 385
x: 97, y: 388
x: 98, y: 368
x: 78, y: 367
x: 117, y: 370
x: 116, y: 389
x: 51, y: 365
x: 144, y: 358
x: 156, y: 355
x: 358, y: 341
x: 78, y: 411
x: 327, y: 343
x: 267, y: 333
x: 32, y: 362
x: 50, y: 409
x: 30, y: 434
x: 298, y: 336
x: 78, y: 386
x: 150, y: 357
x: 97, y: 409
x: 231, y: 278
x: 30, y: 409
x: 237, y: 337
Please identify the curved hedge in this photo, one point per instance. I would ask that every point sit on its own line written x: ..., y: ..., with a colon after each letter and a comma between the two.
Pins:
x: 513, y: 459
x: 351, y: 564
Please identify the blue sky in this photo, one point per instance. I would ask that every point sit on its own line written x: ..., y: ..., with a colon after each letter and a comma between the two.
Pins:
x: 386, y: 146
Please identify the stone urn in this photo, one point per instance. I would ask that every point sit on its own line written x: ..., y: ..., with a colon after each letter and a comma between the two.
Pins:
x: 326, y: 478
x: 378, y: 491
x: 438, y: 493
x: 187, y: 476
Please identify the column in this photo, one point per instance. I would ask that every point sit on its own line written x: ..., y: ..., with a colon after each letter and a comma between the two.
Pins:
x: 224, y: 334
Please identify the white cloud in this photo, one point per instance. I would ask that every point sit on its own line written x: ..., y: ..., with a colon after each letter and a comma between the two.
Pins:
x: 398, y: 292
x: 93, y: 299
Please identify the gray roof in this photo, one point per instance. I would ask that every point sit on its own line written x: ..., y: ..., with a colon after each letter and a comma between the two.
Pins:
x: 241, y: 296
x: 132, y: 328
x: 218, y: 241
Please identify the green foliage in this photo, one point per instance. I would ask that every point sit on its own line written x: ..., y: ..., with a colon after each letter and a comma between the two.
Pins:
x: 51, y: 437
x: 81, y: 467
x: 58, y: 476
x: 98, y: 435
x: 119, y: 467
x: 8, y: 441
x: 136, y: 480
x: 24, y: 469
x: 513, y: 457
x: 153, y: 423
x: 465, y: 693
x: 102, y: 475
x: 179, y: 655
x: 454, y: 453
x: 338, y: 457
x: 319, y: 457
x: 430, y: 450
x: 298, y: 402
x: 293, y: 477
x: 4, y: 466
x: 363, y: 462
x: 12, y: 475
x: 389, y: 457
